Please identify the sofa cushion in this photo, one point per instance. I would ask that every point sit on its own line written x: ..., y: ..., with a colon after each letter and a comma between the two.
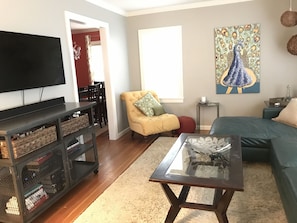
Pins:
x: 288, y: 192
x: 254, y: 131
x: 255, y: 154
x: 284, y: 152
x: 289, y: 114
x: 291, y: 175
x: 146, y: 104
x: 271, y: 112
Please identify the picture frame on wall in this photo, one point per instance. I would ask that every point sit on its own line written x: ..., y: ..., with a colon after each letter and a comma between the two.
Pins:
x: 237, y: 59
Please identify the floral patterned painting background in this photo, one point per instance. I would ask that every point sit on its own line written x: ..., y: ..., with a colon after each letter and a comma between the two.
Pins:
x: 237, y: 51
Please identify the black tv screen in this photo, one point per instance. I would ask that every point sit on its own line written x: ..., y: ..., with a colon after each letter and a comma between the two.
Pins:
x: 29, y: 61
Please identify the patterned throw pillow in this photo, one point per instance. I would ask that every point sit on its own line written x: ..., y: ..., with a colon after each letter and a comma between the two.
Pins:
x: 146, y: 104
x: 158, y: 110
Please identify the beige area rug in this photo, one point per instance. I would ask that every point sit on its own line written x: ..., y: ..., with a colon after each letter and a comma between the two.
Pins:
x: 133, y: 199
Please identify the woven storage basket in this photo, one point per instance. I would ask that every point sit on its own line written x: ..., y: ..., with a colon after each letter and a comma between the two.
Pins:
x: 74, y: 124
x: 30, y: 143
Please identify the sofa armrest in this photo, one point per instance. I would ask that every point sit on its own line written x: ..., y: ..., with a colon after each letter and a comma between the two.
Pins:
x: 271, y: 112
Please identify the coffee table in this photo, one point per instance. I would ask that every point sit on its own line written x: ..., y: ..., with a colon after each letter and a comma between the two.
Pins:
x: 201, y: 161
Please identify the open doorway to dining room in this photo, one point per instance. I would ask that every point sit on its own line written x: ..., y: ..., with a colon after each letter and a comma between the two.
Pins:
x: 74, y: 23
x: 89, y: 66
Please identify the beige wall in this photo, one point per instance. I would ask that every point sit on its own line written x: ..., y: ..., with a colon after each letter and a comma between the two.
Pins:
x: 278, y: 67
x: 48, y: 18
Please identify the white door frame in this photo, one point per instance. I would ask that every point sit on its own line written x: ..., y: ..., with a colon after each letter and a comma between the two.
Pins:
x: 104, y: 37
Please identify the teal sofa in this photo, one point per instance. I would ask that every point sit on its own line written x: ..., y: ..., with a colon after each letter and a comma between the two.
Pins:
x: 265, y: 140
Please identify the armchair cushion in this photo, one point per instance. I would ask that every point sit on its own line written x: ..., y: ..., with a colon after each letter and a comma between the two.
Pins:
x: 158, y: 110
x: 148, y: 125
x: 146, y: 104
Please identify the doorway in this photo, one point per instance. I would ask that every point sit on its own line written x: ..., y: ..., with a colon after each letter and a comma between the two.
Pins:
x: 89, y: 66
x: 103, y: 29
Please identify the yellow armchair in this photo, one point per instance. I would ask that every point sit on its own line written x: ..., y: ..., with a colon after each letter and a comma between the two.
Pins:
x: 147, y: 125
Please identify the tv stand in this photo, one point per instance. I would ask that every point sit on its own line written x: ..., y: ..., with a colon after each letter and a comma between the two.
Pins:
x: 47, y: 148
x: 10, y: 113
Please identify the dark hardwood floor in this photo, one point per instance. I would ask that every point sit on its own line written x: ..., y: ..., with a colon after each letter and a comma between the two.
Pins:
x: 114, y: 158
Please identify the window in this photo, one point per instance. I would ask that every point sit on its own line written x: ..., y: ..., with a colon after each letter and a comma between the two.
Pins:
x: 96, y: 61
x: 160, y: 51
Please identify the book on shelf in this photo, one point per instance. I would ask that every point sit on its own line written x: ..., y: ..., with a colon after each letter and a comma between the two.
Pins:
x: 73, y: 146
x: 36, y: 199
x: 41, y: 159
x: 32, y: 190
x: 35, y: 196
x: 42, y: 163
x: 39, y: 168
x: 39, y: 202
x: 33, y: 199
x: 72, y: 143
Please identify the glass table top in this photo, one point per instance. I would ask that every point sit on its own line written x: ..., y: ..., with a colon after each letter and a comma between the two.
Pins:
x: 203, y: 157
x: 212, y: 161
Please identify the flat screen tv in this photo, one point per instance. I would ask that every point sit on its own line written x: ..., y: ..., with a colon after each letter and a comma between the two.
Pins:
x: 29, y: 61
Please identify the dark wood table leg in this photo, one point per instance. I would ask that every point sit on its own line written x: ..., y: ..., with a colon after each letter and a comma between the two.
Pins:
x: 221, y: 202
x: 175, y: 202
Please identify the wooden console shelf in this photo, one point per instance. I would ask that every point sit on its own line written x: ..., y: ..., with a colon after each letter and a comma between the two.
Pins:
x: 46, y: 149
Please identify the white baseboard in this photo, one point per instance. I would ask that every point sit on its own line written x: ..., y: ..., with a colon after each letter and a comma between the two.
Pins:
x: 120, y: 134
x: 204, y: 127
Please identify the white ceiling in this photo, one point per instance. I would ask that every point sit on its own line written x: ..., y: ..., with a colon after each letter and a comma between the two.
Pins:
x: 140, y: 7
x: 135, y: 5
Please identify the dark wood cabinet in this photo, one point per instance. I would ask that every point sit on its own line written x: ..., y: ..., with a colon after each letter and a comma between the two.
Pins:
x: 46, y: 149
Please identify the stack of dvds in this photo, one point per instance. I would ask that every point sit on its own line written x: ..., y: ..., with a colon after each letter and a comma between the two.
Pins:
x: 35, y: 197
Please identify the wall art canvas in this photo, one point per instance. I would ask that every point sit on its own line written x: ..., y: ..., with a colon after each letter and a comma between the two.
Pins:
x: 237, y: 62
